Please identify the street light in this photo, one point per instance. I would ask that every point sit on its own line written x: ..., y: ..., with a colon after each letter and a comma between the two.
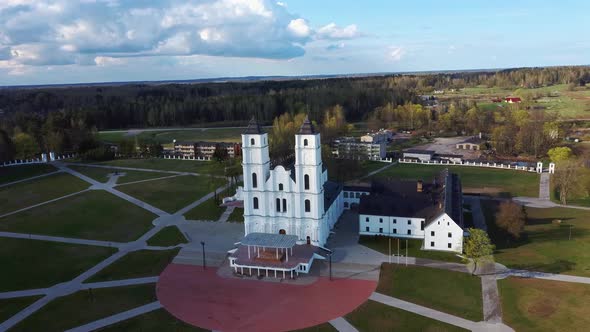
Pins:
x: 204, y: 264
x: 330, y: 265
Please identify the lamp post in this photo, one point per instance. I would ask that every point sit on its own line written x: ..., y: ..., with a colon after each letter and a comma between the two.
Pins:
x: 204, y: 264
x: 330, y: 260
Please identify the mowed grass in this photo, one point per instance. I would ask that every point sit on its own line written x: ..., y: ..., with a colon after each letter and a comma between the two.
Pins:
x: 381, y: 244
x: 136, y: 264
x: 168, y: 136
x: 21, y: 172
x: 374, y: 316
x: 476, y: 179
x: 173, y: 194
x: 167, y: 236
x: 156, y: 321
x: 25, y: 194
x: 86, y: 306
x: 28, y: 264
x: 125, y: 176
x: 95, y: 215
x: 545, y: 245
x: 95, y: 173
x: 422, y: 285
x: 209, y: 210
x: 192, y: 166
x: 10, y: 307
x: 237, y: 215
x: 544, y: 305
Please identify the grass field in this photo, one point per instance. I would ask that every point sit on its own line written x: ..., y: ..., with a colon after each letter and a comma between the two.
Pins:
x: 499, y: 182
x: 28, y: 264
x: 95, y: 173
x: 33, y: 192
x: 208, y: 210
x: 173, y: 194
x: 203, y: 167
x: 545, y: 245
x: 421, y: 285
x: 95, y: 215
x: 373, y: 316
x: 168, y: 236
x: 101, y: 174
x: 136, y: 264
x: 156, y: 321
x: 15, y: 173
x: 237, y: 215
x: 381, y: 244
x: 544, y: 305
x: 10, y: 307
x: 86, y: 306
x: 167, y: 137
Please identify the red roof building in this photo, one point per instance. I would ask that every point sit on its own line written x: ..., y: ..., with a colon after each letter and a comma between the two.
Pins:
x: 512, y: 100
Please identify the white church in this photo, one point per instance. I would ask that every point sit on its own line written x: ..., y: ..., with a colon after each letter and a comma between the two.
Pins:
x: 290, y: 198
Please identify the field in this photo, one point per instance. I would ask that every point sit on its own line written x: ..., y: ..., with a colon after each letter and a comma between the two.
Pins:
x: 95, y: 215
x: 373, y: 316
x: 32, y: 192
x: 88, y: 306
x: 137, y: 264
x: 481, y: 180
x: 168, y: 236
x: 184, y: 189
x: 205, y: 167
x: 10, y: 307
x: 156, y: 321
x: 167, y: 136
x: 421, y: 285
x: 49, y: 262
x: 381, y: 244
x: 15, y: 173
x: 546, y: 245
x: 543, y: 305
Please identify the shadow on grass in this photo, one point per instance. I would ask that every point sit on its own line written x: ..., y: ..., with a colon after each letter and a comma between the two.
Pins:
x: 557, y: 266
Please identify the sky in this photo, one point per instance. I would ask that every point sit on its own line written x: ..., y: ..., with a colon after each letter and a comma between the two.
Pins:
x: 65, y: 41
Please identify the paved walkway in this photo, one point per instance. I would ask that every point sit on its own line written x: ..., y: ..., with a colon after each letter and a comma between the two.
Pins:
x: 63, y: 239
x: 117, y: 318
x: 148, y: 180
x: 342, y: 325
x: 43, y: 203
x: 374, y: 172
x: 29, y: 179
x: 492, y: 307
x: 545, y: 187
x: 226, y: 214
x: 141, y: 169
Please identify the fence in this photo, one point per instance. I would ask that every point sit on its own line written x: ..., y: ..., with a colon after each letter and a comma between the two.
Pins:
x: 538, y: 169
x: 41, y: 160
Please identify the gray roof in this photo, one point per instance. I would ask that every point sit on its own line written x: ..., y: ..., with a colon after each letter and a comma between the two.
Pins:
x: 419, y: 151
x: 306, y: 128
x: 269, y: 240
x: 254, y: 127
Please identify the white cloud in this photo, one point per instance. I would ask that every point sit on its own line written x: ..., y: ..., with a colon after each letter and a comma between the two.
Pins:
x: 299, y: 28
x: 396, y: 53
x: 332, y: 31
x: 102, y: 61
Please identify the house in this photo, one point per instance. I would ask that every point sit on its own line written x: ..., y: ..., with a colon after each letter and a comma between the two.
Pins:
x: 352, y: 148
x: 472, y: 143
x: 381, y: 136
x: 431, y: 212
x: 512, y: 100
x: 205, y: 149
x: 422, y: 155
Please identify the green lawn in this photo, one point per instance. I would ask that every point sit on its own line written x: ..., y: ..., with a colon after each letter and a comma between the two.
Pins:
x: 133, y: 176
x: 95, y: 173
x: 374, y: 316
x: 10, y: 307
x: 95, y: 215
x: 485, y: 180
x: 545, y: 245
x: 87, y: 306
x: 22, y: 195
x: 208, y: 210
x: 167, y: 137
x: 421, y: 285
x: 544, y: 305
x: 15, y: 173
x: 28, y: 264
x: 156, y: 321
x: 175, y: 193
x: 167, y: 236
x: 203, y: 167
x: 136, y: 264
x: 381, y: 244
x: 237, y: 215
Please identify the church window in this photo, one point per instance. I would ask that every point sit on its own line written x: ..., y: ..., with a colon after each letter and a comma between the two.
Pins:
x: 358, y: 195
x: 306, y: 181
x: 450, y: 234
x: 395, y: 221
x: 305, y: 142
x: 278, y: 205
x: 409, y: 222
x: 367, y: 219
x: 380, y: 230
x: 252, y: 141
x: 394, y: 231
x: 449, y: 245
x: 422, y: 225
x: 431, y: 233
x: 409, y: 232
x: 254, y: 180
x: 284, y: 205
x: 381, y: 220
x: 346, y: 194
x: 255, y: 203
x: 280, y: 186
x: 307, y: 205
x: 432, y: 244
x: 367, y: 228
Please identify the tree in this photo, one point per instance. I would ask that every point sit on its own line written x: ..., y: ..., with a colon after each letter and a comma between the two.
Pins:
x: 478, y: 246
x: 284, y: 128
x: 566, y: 179
x: 511, y: 218
x: 334, y: 123
x: 560, y: 153
x: 220, y: 154
x: 26, y: 146
x: 6, y: 147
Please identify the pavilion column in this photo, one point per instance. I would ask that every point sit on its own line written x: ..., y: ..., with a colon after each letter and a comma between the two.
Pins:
x: 248, y: 252
x: 283, y: 274
x: 277, y: 253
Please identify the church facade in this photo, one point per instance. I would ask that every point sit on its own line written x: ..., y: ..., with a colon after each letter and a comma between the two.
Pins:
x: 289, y: 198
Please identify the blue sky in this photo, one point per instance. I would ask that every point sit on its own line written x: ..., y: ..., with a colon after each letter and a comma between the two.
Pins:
x: 64, y: 41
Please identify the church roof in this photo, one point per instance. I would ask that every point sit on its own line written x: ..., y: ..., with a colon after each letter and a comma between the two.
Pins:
x: 253, y: 127
x: 307, y: 128
x: 269, y: 240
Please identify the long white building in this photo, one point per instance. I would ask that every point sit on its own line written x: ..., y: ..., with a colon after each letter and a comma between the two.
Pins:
x: 289, y: 198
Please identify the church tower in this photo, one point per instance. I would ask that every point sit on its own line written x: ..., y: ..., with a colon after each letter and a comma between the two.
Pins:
x: 256, y: 169
x: 308, y: 172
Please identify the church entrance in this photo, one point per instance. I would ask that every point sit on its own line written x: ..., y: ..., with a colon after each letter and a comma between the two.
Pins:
x: 282, y: 231
x: 308, y: 240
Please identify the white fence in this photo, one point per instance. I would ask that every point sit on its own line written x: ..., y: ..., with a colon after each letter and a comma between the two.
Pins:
x: 538, y: 169
x: 41, y: 160
x: 186, y: 158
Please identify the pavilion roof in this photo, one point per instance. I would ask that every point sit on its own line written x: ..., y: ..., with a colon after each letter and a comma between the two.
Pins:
x: 269, y: 240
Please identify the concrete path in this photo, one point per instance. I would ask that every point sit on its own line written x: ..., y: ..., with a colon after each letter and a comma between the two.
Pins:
x: 63, y: 239
x: 29, y: 179
x: 148, y: 180
x: 140, y: 169
x: 117, y: 318
x: 545, y: 187
x: 24, y: 293
x: 374, y: 172
x: 120, y: 283
x: 23, y: 314
x: 113, y: 178
x: 541, y: 275
x: 479, y: 220
x: 200, y: 200
x: 226, y: 214
x: 40, y: 204
x: 342, y: 325
x: 492, y: 307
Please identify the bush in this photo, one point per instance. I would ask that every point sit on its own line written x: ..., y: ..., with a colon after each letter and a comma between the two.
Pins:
x: 101, y: 153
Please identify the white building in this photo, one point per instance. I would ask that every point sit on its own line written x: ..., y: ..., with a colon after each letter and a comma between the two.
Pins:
x: 295, y: 199
x: 406, y: 209
x: 352, y: 148
x: 422, y: 155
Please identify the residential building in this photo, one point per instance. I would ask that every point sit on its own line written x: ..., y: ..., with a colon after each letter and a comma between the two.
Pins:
x: 352, y: 148
x: 206, y: 149
x: 422, y: 155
